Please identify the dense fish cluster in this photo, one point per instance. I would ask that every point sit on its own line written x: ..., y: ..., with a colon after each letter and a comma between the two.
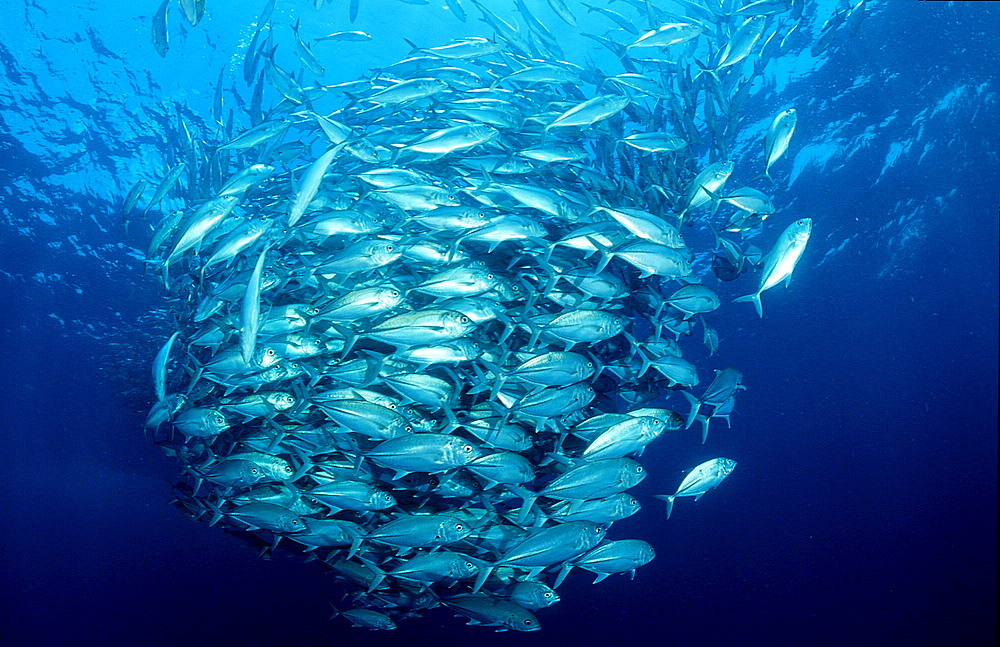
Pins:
x: 429, y: 319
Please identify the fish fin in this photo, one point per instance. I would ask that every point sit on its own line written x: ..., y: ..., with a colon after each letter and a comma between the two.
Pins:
x: 754, y: 299
x: 355, y: 547
x: 669, y: 498
x: 522, y: 514
x: 606, y: 254
x: 217, y: 513
x: 484, y: 574
x: 602, y: 576
x: 704, y: 427
x: 698, y: 496
x: 563, y: 572
x: 695, y: 407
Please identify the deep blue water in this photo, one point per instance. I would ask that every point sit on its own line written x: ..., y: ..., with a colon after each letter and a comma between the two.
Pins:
x: 864, y: 507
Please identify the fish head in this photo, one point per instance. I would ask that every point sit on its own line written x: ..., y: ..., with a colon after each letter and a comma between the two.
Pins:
x: 381, y: 500
x: 266, y: 357
x: 283, y: 470
x: 453, y: 530
x: 389, y: 297
x: 462, y: 568
x: 292, y: 524
x: 803, y: 228
x: 534, y: 595
x: 281, y: 401
x: 215, y: 421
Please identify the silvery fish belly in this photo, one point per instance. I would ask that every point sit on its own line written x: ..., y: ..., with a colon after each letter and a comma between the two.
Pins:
x: 429, y: 320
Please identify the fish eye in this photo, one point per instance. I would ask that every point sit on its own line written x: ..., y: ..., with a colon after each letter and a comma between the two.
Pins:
x: 389, y: 248
x: 254, y: 471
x: 269, y: 351
x: 463, y: 319
x: 638, y: 469
x: 528, y: 622
x: 489, y: 277
x: 394, y: 293
x: 407, y: 428
x: 547, y: 594
x: 459, y: 527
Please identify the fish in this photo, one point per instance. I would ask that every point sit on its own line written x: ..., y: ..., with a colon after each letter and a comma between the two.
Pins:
x: 132, y: 198
x: 722, y: 389
x: 256, y: 135
x: 666, y: 35
x: 622, y: 556
x: 193, y: 10
x: 345, y: 36
x: 427, y: 318
x: 250, y: 311
x: 590, y: 111
x: 780, y: 262
x: 168, y: 182
x: 160, y: 367
x: 492, y: 612
x: 700, y: 480
x: 161, y: 38
x: 310, y: 184
x: 779, y: 134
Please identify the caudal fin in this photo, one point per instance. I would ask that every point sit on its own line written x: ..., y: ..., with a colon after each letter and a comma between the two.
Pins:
x: 484, y: 574
x: 669, y: 498
x: 752, y: 298
x: 695, y: 407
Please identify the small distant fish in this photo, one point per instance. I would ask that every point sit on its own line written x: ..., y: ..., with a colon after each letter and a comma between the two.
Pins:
x: 133, y: 196
x: 345, y: 36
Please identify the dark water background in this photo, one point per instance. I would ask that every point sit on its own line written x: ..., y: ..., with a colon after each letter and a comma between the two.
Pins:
x: 864, y: 507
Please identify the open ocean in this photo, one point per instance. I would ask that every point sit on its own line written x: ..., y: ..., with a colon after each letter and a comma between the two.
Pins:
x: 863, y: 510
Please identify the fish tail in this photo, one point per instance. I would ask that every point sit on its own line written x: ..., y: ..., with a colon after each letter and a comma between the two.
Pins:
x: 754, y: 299
x: 695, y: 407
x: 217, y: 513
x: 484, y: 574
x: 669, y: 498
x: 704, y: 427
x: 563, y: 572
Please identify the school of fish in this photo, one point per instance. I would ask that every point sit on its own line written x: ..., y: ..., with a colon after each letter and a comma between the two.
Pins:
x: 428, y: 320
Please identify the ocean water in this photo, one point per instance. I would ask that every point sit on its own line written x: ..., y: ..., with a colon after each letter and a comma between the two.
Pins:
x: 864, y: 507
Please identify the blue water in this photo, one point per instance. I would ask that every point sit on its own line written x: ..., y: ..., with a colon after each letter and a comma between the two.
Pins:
x: 864, y: 507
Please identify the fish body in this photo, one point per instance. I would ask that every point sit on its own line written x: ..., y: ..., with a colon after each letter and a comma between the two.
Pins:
x: 781, y: 260
x: 700, y: 480
x: 779, y: 134
x: 493, y: 612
